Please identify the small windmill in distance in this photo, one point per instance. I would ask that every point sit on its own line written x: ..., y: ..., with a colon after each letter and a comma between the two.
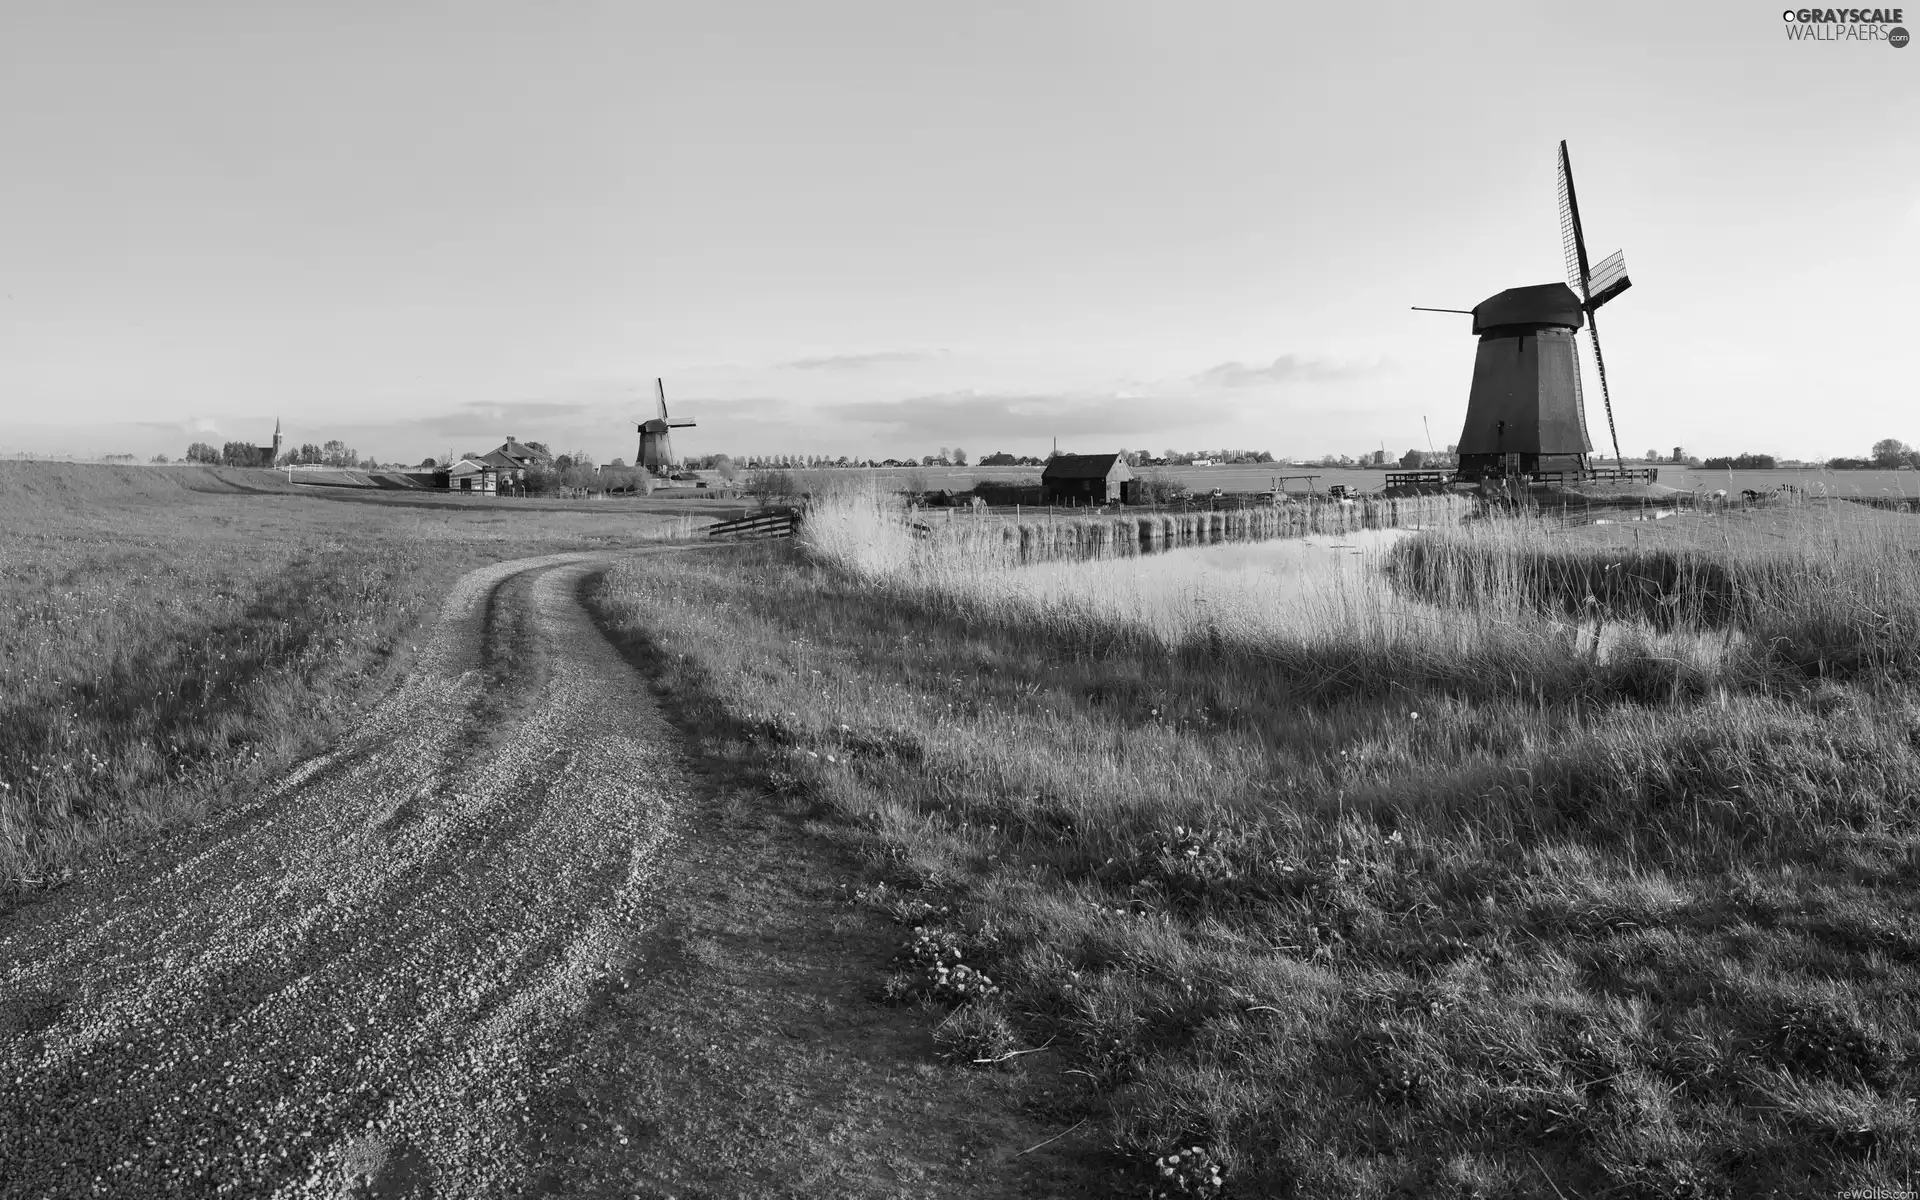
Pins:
x: 656, y: 443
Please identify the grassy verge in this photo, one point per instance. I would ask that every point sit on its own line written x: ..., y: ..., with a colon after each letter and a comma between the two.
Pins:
x: 1311, y: 914
x: 167, y: 650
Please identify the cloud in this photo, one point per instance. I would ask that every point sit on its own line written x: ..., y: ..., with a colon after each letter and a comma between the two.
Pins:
x: 859, y: 362
x: 1288, y: 368
x: 484, y: 419
x: 977, y: 415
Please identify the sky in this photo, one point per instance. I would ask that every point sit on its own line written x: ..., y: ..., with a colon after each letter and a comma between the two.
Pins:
x: 880, y: 229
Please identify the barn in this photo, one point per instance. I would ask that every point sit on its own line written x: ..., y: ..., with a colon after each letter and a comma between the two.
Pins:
x: 471, y: 475
x: 1087, y: 479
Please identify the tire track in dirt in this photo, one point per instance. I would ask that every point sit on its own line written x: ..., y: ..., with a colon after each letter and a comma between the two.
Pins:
x: 356, y: 979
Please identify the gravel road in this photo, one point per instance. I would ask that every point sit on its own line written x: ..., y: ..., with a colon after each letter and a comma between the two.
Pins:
x: 352, y: 985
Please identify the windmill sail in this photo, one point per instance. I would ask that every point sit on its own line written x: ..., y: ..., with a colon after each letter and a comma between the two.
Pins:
x: 1609, y: 279
x: 1581, y: 278
x: 656, y: 442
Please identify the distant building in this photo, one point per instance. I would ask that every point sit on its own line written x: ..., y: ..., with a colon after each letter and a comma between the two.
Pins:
x: 471, y: 475
x: 242, y: 455
x: 513, y: 459
x: 1087, y: 479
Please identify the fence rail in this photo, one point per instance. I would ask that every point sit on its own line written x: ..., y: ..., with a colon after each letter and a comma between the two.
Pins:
x: 757, y: 527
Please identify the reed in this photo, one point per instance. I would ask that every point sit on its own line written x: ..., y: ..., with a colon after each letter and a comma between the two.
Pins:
x: 1410, y: 871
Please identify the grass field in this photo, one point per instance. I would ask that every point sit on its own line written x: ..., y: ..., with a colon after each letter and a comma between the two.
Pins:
x: 1498, y: 861
x: 177, y: 637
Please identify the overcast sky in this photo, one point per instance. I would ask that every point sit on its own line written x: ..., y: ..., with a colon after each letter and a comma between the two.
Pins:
x: 881, y: 228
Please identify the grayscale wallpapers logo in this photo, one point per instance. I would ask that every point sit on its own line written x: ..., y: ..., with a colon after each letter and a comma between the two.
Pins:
x: 1846, y: 25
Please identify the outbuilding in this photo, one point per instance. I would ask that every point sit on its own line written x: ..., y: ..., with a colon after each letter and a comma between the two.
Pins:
x: 473, y: 475
x: 1087, y: 479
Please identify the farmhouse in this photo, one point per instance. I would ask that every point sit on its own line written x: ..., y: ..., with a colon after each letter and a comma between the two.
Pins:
x: 512, y: 459
x: 1086, y: 479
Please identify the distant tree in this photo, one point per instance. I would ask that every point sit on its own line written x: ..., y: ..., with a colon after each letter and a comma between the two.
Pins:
x: 1741, y: 462
x: 726, y: 467
x: 1158, y: 487
x: 959, y: 457
x: 1653, y: 456
x: 769, y: 484
x: 160, y: 458
x: 563, y: 462
x: 1891, y: 452
x: 916, y: 486
x: 427, y: 464
x: 238, y: 454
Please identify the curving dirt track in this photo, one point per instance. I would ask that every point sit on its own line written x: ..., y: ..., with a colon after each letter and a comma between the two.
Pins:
x: 353, y: 982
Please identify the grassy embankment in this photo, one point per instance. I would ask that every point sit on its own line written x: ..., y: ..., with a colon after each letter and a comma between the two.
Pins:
x: 176, y: 638
x: 1575, y: 863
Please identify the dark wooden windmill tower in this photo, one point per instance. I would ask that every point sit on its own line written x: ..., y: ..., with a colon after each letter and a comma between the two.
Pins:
x: 656, y: 443
x: 1525, y: 411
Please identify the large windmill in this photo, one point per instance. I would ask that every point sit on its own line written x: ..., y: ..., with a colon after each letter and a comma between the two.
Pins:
x: 656, y: 443
x: 1525, y: 411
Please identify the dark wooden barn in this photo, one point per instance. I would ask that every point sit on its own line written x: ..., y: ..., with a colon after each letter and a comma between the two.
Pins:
x: 1087, y: 479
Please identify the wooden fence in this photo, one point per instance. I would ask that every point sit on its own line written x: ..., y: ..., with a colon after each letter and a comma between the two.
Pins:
x: 757, y: 527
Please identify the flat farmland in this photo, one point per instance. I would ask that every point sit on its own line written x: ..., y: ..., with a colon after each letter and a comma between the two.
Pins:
x: 1815, y: 481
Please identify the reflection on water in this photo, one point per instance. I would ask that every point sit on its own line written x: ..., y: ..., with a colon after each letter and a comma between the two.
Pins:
x: 1285, y: 586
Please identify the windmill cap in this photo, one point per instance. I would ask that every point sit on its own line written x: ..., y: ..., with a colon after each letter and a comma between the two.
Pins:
x: 1541, y: 304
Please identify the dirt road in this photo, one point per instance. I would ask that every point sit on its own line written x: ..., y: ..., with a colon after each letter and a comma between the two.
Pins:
x: 378, y: 979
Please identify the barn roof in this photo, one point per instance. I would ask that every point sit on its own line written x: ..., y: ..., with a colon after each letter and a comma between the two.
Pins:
x: 1541, y: 304
x: 519, y: 454
x: 1082, y: 466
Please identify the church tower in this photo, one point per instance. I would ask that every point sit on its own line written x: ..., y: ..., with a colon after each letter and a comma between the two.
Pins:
x: 276, y: 442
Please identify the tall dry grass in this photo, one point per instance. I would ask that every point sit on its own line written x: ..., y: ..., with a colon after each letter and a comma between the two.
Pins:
x: 1514, y: 908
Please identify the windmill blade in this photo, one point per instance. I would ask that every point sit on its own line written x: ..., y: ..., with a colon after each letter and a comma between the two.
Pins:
x: 1600, y: 365
x: 680, y: 423
x: 660, y: 386
x: 1609, y: 279
x: 1573, y: 241
x: 1573, y: 244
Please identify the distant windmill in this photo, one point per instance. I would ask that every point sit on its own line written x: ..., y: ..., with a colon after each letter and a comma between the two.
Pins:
x: 1525, y: 411
x: 656, y: 443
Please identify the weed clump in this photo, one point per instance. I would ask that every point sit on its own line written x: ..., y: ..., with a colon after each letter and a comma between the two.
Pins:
x: 976, y: 1035
x: 1188, y: 1171
x: 929, y: 968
